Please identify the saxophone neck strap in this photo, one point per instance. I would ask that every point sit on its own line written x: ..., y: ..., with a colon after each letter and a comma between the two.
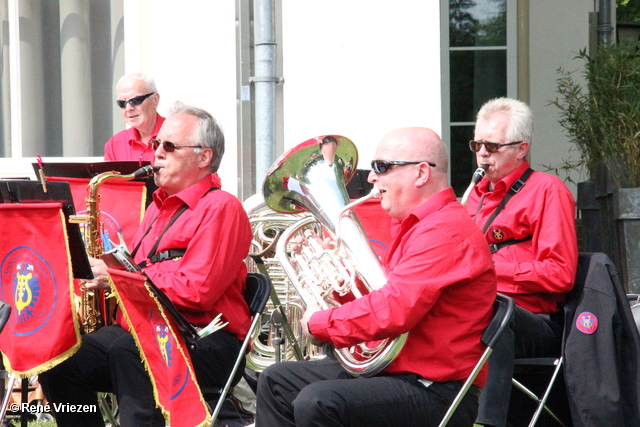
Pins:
x: 515, y: 188
x: 170, y: 253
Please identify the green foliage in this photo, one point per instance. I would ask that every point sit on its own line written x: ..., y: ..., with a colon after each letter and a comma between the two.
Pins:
x: 603, y: 118
x: 628, y: 10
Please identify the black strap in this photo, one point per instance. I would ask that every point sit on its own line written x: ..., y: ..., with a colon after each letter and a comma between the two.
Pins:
x: 495, y: 247
x: 515, y: 188
x: 164, y: 255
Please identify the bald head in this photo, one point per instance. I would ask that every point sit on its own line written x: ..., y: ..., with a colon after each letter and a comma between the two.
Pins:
x: 408, y: 186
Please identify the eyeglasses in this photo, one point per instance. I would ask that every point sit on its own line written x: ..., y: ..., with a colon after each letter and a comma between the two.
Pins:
x: 492, y: 147
x: 381, y: 166
x: 135, y: 101
x: 169, y: 146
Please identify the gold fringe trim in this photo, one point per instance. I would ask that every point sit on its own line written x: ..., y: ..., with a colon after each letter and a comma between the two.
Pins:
x: 207, y: 421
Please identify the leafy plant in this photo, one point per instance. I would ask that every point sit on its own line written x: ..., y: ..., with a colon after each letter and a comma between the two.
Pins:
x: 602, y: 118
x: 628, y: 10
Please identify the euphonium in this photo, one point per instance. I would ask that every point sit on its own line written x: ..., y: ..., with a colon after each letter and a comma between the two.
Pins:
x: 271, y: 343
x: 312, y: 177
x: 90, y: 310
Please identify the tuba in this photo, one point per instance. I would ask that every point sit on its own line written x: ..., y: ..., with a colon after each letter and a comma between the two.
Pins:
x: 273, y: 342
x: 91, y: 302
x: 312, y: 178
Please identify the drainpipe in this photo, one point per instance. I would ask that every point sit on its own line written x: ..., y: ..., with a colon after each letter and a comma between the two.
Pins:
x: 605, y: 29
x: 265, y: 87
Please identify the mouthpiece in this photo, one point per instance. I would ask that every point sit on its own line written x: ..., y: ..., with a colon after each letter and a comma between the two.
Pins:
x: 146, y: 171
x: 479, y: 174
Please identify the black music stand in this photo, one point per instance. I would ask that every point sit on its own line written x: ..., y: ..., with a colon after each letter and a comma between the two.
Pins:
x: 26, y: 191
x: 89, y: 170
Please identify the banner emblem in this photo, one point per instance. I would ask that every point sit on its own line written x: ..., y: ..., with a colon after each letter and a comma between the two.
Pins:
x: 587, y: 323
x: 30, y: 274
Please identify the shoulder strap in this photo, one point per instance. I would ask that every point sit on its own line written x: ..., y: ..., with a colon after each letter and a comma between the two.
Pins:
x: 515, y: 188
x: 173, y: 219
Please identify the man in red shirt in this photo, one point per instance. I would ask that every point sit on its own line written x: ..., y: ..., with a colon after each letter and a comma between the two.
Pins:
x: 209, y: 228
x: 533, y: 241
x: 138, y: 100
x: 440, y: 289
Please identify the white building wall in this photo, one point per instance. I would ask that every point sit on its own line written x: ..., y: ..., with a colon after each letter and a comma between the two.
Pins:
x: 188, y: 46
x: 559, y: 29
x: 360, y: 69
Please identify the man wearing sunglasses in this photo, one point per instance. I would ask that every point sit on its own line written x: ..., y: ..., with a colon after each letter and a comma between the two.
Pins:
x: 192, y: 244
x: 137, y: 98
x: 528, y: 221
x: 440, y: 289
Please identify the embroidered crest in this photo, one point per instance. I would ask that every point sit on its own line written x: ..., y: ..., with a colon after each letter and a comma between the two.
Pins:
x: 110, y: 229
x: 497, y: 234
x: 33, y: 289
x: 587, y: 323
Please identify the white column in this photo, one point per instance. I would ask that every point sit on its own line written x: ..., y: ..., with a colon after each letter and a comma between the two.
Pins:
x: 117, y: 43
x: 76, y: 78
x: 27, y: 81
x: 5, y: 82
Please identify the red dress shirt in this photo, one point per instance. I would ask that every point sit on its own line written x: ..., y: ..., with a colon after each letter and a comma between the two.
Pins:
x: 210, y: 277
x: 440, y: 289
x: 538, y: 273
x: 127, y: 145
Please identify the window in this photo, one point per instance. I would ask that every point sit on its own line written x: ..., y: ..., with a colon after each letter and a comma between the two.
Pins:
x: 479, y: 45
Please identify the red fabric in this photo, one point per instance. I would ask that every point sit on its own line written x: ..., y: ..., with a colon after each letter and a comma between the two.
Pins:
x: 377, y: 224
x: 127, y: 145
x: 440, y: 288
x: 163, y: 351
x: 121, y: 206
x: 36, y: 281
x: 536, y: 274
x: 210, y: 277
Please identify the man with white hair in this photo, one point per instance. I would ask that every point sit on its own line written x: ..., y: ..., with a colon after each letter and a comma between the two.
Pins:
x: 528, y: 221
x: 138, y: 98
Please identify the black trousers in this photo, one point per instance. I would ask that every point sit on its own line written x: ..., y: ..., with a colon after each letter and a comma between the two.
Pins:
x: 322, y: 393
x: 109, y: 361
x: 528, y: 335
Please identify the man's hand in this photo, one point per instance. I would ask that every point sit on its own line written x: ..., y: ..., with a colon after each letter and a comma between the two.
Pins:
x: 304, y: 323
x: 100, y: 276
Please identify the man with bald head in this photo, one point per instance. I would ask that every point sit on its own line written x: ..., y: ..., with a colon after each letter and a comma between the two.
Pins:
x: 138, y: 100
x: 437, y: 260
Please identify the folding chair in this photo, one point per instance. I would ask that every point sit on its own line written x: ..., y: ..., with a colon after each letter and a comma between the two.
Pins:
x: 553, y: 364
x: 503, y: 310
x: 634, y: 301
x: 256, y: 295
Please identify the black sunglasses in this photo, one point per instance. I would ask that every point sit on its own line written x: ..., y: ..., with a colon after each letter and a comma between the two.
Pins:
x: 169, y: 146
x: 381, y: 166
x: 135, y: 101
x: 492, y: 147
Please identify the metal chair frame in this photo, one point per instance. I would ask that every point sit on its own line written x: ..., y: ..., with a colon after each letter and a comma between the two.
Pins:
x: 503, y: 311
x: 256, y: 295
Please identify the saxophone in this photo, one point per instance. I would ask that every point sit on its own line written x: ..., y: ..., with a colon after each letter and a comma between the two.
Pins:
x: 91, y: 301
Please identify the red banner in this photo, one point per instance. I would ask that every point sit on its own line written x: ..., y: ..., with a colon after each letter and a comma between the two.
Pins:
x: 36, y: 280
x: 377, y: 224
x: 121, y: 206
x: 163, y: 351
